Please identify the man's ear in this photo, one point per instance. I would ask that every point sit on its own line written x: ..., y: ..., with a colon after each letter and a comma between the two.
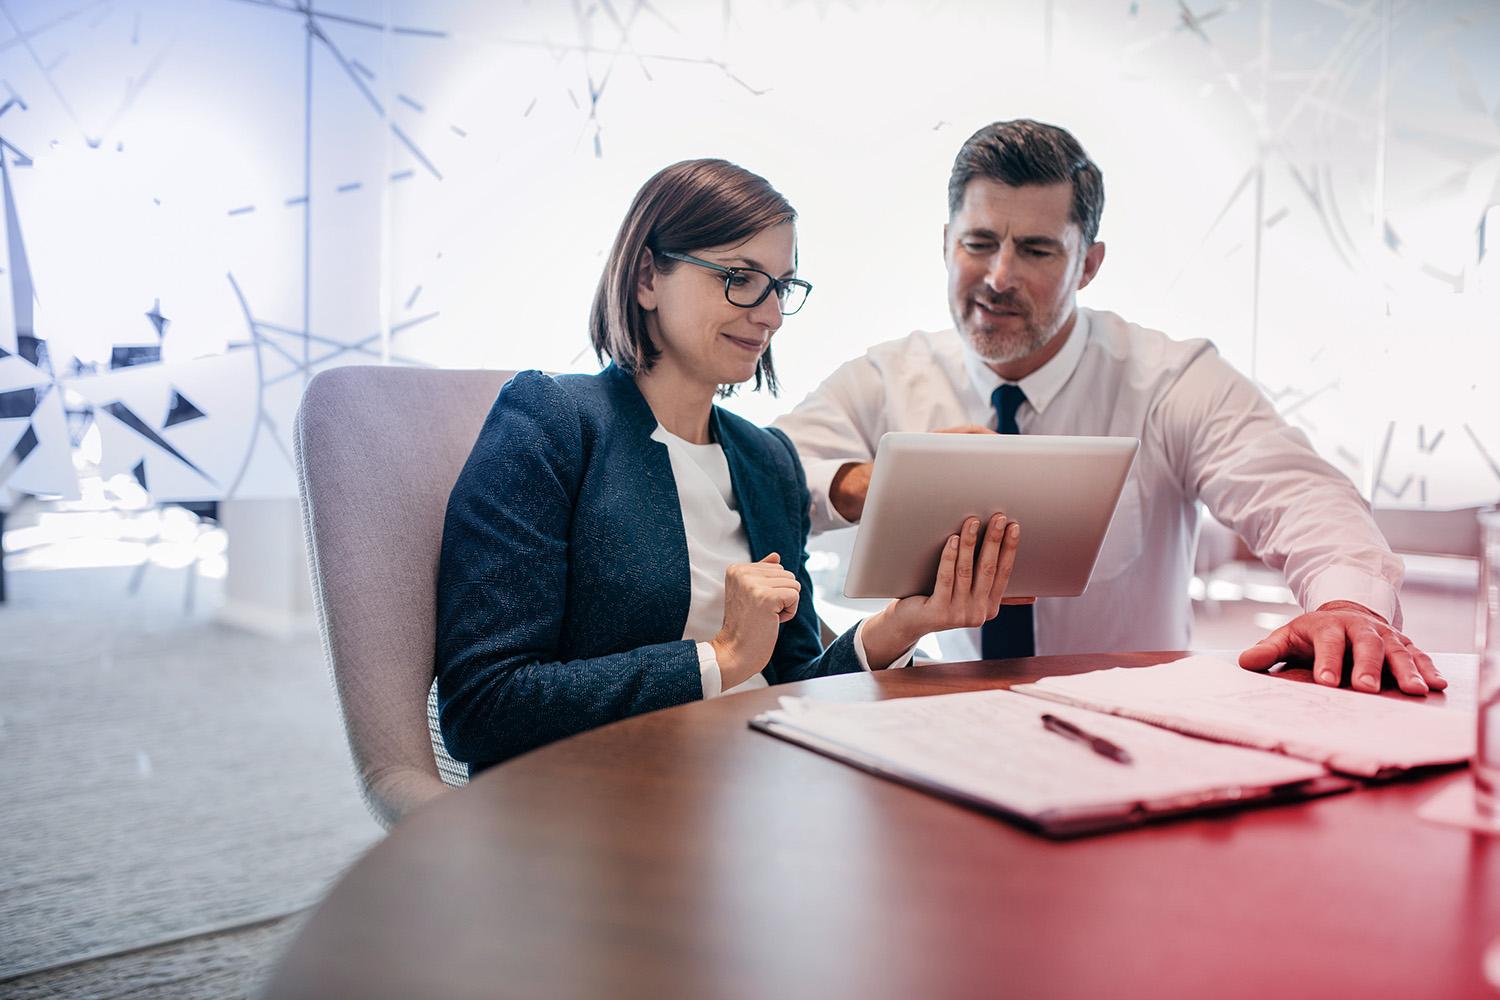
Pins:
x: 645, y: 282
x: 945, y: 241
x: 1093, y: 259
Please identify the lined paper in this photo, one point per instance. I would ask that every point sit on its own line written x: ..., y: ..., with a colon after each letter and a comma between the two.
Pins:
x: 991, y: 747
x: 1350, y: 732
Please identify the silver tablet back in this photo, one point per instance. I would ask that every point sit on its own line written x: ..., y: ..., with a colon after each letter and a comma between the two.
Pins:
x: 1062, y: 490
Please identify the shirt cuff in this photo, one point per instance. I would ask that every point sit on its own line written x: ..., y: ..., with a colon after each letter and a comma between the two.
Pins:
x: 864, y: 660
x: 820, y: 473
x: 708, y: 670
x: 1341, y: 583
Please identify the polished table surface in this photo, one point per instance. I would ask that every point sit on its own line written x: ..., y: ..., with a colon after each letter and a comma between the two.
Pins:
x: 681, y: 854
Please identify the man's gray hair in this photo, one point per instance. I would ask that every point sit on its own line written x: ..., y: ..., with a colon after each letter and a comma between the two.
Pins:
x: 1024, y: 152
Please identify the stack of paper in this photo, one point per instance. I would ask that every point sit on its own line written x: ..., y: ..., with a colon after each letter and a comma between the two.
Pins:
x: 1347, y: 731
x: 991, y: 750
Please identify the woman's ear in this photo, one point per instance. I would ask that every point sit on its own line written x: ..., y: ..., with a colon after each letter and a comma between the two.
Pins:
x: 645, y: 282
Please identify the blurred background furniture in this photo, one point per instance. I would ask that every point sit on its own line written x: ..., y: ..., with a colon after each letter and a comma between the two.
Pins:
x: 1235, y: 596
x: 1431, y: 531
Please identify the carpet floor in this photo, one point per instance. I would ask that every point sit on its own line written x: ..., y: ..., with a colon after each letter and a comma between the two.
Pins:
x: 174, y: 790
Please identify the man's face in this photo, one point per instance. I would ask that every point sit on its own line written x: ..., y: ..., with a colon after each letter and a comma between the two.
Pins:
x: 1015, y: 262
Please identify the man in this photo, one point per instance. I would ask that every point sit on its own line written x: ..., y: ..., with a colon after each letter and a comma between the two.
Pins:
x: 1024, y: 202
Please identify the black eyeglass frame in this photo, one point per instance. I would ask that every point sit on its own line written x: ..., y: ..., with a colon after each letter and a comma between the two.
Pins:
x: 778, y: 285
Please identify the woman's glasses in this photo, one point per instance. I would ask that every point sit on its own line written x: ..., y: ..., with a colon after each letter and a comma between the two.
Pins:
x: 748, y: 287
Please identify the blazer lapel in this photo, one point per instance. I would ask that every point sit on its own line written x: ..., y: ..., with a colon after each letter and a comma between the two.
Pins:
x: 662, y: 536
x: 759, y: 507
x: 762, y: 507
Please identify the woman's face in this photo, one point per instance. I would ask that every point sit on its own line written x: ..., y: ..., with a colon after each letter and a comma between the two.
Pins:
x: 702, y: 336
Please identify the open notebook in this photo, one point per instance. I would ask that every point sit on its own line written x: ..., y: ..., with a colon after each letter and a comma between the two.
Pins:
x: 1348, y: 732
x: 990, y: 750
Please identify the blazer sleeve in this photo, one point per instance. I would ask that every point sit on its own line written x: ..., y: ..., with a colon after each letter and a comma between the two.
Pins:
x: 502, y: 592
x: 799, y: 652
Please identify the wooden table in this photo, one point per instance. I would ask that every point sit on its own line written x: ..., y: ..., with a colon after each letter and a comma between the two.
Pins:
x: 681, y: 854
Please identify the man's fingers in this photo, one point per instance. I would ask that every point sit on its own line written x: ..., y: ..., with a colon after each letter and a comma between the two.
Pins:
x: 1328, y: 655
x: 966, y: 429
x: 1269, y: 651
x: 1373, y: 647
x: 1018, y: 600
x: 1429, y: 670
x: 1403, y: 666
x: 1369, y: 657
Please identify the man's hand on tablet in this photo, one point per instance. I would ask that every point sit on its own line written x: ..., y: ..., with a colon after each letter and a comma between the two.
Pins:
x: 851, y: 484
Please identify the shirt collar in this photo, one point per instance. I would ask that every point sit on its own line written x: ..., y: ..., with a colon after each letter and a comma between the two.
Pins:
x: 1042, y: 385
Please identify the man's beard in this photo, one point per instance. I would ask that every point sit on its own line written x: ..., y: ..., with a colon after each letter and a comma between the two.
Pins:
x: 997, y: 347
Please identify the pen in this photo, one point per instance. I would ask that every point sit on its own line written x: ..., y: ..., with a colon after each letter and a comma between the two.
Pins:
x: 1098, y: 744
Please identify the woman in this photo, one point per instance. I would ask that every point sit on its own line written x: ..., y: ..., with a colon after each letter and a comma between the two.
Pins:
x: 616, y: 543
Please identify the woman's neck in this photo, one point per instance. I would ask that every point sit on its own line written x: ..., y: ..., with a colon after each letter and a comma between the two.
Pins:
x: 680, y: 405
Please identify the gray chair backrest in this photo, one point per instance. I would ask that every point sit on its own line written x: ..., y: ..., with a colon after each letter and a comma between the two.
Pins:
x: 378, y: 450
x: 1446, y: 531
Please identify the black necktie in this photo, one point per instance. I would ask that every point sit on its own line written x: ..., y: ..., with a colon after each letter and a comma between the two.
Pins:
x: 1009, y: 633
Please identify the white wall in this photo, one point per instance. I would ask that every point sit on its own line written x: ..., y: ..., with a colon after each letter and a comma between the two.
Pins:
x: 1302, y: 182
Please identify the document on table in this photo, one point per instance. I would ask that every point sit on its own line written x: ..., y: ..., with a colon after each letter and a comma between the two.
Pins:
x: 1349, y: 732
x: 990, y: 749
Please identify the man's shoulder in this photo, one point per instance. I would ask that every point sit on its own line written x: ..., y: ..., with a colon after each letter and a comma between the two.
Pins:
x: 1140, y: 346
x: 895, y: 360
x: 919, y: 345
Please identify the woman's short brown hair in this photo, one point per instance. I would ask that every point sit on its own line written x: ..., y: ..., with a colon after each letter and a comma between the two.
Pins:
x: 684, y: 208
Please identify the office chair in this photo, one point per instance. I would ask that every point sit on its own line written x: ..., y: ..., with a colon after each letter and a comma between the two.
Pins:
x: 1432, y: 531
x: 377, y: 452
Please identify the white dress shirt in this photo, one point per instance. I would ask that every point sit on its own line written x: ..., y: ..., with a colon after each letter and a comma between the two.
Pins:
x: 716, y: 540
x: 1206, y: 434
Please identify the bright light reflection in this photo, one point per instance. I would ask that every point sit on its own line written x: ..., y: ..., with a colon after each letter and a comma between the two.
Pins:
x: 73, y: 536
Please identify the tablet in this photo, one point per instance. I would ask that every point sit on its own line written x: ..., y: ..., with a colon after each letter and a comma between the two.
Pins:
x: 1062, y: 490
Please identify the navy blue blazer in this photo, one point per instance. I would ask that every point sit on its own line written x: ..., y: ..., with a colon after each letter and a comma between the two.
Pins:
x: 563, y: 584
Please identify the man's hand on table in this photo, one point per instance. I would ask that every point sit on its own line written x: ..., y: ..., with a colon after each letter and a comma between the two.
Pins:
x: 1324, y: 636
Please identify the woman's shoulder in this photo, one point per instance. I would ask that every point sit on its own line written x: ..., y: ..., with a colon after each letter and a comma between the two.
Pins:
x: 532, y: 414
x: 553, y: 398
x: 529, y: 389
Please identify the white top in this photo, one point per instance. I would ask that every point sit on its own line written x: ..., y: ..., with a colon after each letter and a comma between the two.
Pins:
x: 1206, y: 434
x: 716, y: 540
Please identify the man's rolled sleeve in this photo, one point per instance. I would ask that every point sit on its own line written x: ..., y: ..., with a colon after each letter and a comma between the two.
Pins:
x: 820, y: 473
x: 838, y: 423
